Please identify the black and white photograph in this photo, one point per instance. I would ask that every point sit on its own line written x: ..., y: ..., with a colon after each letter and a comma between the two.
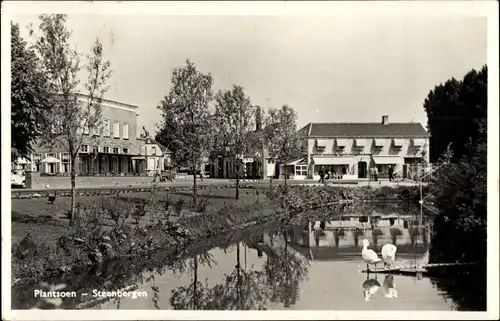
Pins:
x: 302, y: 160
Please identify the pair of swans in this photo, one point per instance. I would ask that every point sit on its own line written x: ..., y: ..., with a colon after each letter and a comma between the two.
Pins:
x: 370, y: 257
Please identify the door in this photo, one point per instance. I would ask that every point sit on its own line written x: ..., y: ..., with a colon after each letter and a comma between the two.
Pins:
x: 362, y: 169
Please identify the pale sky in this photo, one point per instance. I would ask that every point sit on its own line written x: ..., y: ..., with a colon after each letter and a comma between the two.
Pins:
x: 329, y: 69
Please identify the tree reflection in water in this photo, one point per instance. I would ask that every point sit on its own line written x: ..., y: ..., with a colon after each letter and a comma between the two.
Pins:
x: 285, y: 272
x: 195, y: 294
x: 248, y: 289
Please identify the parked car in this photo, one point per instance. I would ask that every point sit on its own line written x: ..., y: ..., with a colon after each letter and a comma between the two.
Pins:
x: 167, y: 176
x: 17, y: 179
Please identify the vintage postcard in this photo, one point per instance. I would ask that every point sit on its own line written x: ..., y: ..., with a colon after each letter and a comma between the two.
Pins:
x: 249, y: 160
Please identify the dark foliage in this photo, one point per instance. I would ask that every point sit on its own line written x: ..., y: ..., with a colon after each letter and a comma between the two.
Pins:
x: 453, y: 110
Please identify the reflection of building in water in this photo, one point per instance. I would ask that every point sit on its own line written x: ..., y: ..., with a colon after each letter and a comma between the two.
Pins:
x: 329, y: 239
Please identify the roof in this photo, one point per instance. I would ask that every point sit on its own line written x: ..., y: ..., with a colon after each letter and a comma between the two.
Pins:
x: 364, y: 130
x: 162, y: 148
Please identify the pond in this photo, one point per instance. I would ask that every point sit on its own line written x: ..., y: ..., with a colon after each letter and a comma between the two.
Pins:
x: 315, y: 265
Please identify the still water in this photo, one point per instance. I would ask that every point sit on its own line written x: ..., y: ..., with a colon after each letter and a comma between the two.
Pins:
x: 311, y: 266
x: 316, y: 266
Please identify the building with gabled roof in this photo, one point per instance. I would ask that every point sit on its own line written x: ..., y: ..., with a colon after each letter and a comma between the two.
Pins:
x: 348, y: 150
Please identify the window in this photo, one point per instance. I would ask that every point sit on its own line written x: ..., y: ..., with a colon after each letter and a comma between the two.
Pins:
x: 116, y: 129
x: 95, y: 150
x: 125, y: 131
x: 301, y: 170
x: 107, y: 128
x: 116, y: 150
x: 125, y: 150
x: 153, y: 150
x: 51, y: 155
x: 97, y: 130
x: 65, y: 163
x: 106, y: 150
x: 85, y: 149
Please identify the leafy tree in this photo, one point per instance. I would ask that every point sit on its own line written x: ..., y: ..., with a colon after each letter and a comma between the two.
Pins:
x: 460, y: 196
x: 186, y: 118
x: 453, y: 110
x: 70, y: 122
x: 234, y: 120
x: 29, y: 96
x: 281, y: 136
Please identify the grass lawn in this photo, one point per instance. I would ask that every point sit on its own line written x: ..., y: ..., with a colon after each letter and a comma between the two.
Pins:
x: 47, y: 222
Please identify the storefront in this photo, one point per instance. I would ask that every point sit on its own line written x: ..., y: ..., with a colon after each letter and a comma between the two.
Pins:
x: 295, y: 170
x: 339, y: 166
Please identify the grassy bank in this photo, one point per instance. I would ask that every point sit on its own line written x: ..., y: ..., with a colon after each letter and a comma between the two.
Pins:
x: 47, y: 222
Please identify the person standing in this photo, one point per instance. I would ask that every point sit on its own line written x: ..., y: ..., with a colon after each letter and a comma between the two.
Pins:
x: 391, y: 173
x: 375, y: 173
x: 321, y: 175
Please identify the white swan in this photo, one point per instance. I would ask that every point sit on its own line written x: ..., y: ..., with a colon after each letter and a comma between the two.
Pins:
x: 369, y: 256
x: 389, y: 253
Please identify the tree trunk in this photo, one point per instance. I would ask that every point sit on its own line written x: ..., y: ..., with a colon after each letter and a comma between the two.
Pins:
x: 237, y: 179
x: 73, y: 191
x: 286, y: 178
x: 195, y: 289
x: 194, y: 182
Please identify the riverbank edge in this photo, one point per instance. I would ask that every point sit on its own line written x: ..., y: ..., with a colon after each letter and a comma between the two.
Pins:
x: 265, y: 216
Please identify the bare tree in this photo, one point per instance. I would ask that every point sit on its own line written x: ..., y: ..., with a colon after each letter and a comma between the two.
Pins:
x: 234, y: 118
x: 72, y: 122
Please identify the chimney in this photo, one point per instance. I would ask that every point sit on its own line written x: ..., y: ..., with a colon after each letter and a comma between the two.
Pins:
x: 385, y: 120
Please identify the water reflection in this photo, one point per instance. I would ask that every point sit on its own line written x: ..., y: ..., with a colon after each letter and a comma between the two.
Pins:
x: 370, y: 287
x: 303, y: 265
x: 390, y: 287
x: 194, y: 295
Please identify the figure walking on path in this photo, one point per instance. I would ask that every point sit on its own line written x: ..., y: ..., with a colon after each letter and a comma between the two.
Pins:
x: 391, y: 174
x: 321, y: 175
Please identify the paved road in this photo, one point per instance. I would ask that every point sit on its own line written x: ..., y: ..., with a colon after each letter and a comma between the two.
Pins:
x: 213, y: 181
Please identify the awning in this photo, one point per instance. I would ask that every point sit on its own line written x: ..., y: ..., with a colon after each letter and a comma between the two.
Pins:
x: 321, y: 142
x: 398, y: 142
x: 295, y: 162
x: 22, y: 161
x: 379, y: 142
x: 361, y: 142
x: 418, y: 142
x: 138, y: 157
x: 51, y: 160
x: 341, y: 142
x: 388, y: 160
x: 334, y: 160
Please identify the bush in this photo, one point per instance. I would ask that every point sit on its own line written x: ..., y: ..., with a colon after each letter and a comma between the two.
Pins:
x: 117, y: 209
x: 178, y: 205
